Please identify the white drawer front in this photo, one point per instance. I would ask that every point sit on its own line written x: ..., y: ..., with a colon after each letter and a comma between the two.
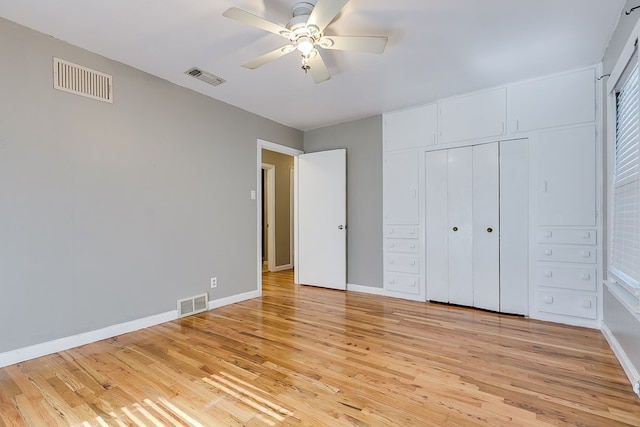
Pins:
x: 585, y: 255
x: 578, y: 278
x: 400, y: 232
x: 402, y: 245
x: 402, y: 283
x: 574, y: 305
x: 402, y: 264
x: 572, y: 237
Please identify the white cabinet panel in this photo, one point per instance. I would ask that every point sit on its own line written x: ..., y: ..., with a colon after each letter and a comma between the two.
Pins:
x: 402, y: 232
x: 402, y: 245
x: 555, y: 101
x: 402, y: 263
x: 486, y: 227
x: 514, y: 226
x: 401, y: 181
x: 437, y: 226
x: 585, y: 255
x: 581, y: 278
x: 416, y: 127
x: 568, y: 304
x: 402, y: 283
x: 459, y: 194
x: 575, y: 237
x: 567, y: 177
x: 475, y: 116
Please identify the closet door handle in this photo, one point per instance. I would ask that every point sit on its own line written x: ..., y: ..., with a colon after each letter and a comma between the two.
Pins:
x: 489, y: 230
x: 455, y: 228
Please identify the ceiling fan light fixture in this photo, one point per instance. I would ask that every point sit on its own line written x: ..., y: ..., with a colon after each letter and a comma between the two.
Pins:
x: 305, y: 45
x: 325, y: 42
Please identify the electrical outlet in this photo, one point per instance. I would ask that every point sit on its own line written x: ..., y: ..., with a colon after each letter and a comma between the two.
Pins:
x: 214, y: 282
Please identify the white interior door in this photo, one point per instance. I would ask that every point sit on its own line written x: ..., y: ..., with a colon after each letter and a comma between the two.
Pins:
x: 486, y: 231
x: 322, y: 208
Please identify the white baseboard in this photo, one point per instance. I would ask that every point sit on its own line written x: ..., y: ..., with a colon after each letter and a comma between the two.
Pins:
x: 233, y: 299
x: 283, y: 267
x: 629, y: 369
x: 38, y: 350
x: 366, y: 289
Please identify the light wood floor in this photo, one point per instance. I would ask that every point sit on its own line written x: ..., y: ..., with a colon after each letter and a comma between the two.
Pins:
x: 314, y: 357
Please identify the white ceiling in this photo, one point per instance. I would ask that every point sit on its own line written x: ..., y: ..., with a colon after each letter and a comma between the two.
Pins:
x: 436, y: 48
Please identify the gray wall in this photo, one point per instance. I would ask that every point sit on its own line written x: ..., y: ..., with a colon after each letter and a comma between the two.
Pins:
x: 363, y: 141
x: 283, y: 164
x: 110, y: 213
x: 624, y: 326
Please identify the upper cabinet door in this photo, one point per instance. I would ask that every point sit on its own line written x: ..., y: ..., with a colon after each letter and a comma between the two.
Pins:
x: 401, y: 184
x: 554, y: 101
x: 567, y: 177
x: 475, y: 116
x: 416, y: 127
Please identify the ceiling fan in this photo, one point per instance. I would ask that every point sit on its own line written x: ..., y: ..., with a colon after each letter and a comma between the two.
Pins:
x: 305, y: 32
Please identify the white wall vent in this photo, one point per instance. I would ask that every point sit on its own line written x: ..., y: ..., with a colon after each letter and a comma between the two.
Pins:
x: 83, y: 81
x: 193, y: 305
x: 205, y: 77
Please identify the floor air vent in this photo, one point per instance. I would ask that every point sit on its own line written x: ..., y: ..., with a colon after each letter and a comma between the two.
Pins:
x: 193, y: 305
x: 82, y: 81
x: 205, y: 77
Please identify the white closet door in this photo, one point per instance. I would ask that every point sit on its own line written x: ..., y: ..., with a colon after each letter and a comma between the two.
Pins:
x: 437, y: 226
x: 486, y: 223
x: 459, y: 192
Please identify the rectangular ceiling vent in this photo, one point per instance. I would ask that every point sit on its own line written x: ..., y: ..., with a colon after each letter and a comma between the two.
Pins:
x: 205, y: 77
x: 82, y: 81
x: 193, y: 305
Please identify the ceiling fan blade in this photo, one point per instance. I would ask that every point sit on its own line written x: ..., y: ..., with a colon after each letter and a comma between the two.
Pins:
x: 369, y: 44
x: 268, y: 57
x: 319, y: 71
x: 324, y: 12
x: 255, y: 21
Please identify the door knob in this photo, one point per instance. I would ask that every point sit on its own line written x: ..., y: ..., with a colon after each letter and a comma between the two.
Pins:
x: 489, y: 230
x: 455, y: 228
x: 341, y: 227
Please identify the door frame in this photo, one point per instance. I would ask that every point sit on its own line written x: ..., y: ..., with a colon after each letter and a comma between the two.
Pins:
x: 270, y: 190
x: 283, y: 149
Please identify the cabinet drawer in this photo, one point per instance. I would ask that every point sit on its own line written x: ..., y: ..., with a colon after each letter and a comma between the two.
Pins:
x: 401, y: 245
x: 567, y: 254
x: 573, y: 237
x: 402, y: 264
x: 400, y: 232
x: 402, y: 283
x: 576, y: 305
x: 578, y: 278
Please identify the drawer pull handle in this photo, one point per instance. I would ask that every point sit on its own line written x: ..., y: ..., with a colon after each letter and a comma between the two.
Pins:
x: 548, y: 273
x: 455, y: 228
x: 548, y: 299
x: 548, y: 252
x: 586, y: 303
x: 392, y: 281
x: 413, y: 246
x: 412, y: 232
x: 586, y: 235
x: 413, y: 262
x: 548, y: 234
x: 586, y: 276
x: 391, y: 261
x: 413, y: 284
x: 586, y: 254
x: 392, y: 245
x: 391, y: 231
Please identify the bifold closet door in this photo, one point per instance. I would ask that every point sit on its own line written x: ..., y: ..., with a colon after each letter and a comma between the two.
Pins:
x: 437, y: 226
x: 460, y: 235
x: 486, y: 227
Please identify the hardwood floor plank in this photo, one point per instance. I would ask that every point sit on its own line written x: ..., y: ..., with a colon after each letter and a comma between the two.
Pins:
x: 305, y: 356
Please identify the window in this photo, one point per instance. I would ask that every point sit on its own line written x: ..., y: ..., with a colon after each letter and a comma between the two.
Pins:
x: 624, y: 262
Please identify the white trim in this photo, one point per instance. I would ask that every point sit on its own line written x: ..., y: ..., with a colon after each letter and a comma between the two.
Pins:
x: 221, y: 302
x: 270, y: 189
x: 61, y: 344
x: 366, y: 289
x: 283, y: 267
x: 627, y: 365
x: 38, y: 350
x: 292, y: 178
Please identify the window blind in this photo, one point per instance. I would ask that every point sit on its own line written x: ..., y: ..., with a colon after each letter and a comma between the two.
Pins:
x: 625, y: 241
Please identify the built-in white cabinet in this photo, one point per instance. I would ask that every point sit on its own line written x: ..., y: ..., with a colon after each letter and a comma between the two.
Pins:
x: 555, y: 101
x: 416, y: 127
x: 463, y: 214
x: 475, y: 116
x: 491, y: 200
x: 567, y: 177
